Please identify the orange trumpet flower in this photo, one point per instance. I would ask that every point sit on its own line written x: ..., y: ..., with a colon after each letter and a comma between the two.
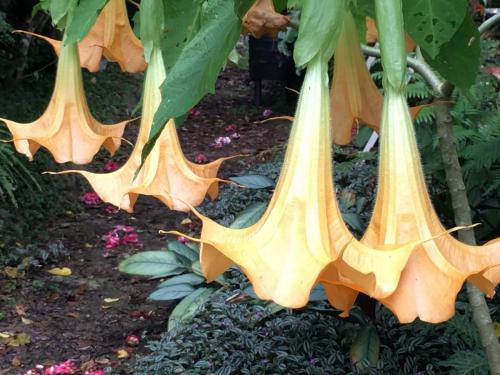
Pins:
x: 166, y: 173
x: 262, y: 19
x: 403, y: 213
x: 111, y: 37
x: 355, y: 97
x: 67, y: 128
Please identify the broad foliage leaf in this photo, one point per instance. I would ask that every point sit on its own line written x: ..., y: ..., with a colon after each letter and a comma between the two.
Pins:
x: 196, y: 70
x: 83, y: 19
x: 151, y: 263
x: 249, y: 216
x: 432, y: 23
x: 253, y: 181
x: 151, y: 25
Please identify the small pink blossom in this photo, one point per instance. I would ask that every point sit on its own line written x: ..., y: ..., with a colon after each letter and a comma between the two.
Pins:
x: 111, y: 166
x: 182, y: 239
x: 66, y: 368
x: 110, y: 209
x: 221, y: 141
x: 132, y: 340
x: 231, y: 128
x: 95, y: 372
x: 90, y: 198
x: 235, y: 136
x: 267, y: 112
x: 193, y: 113
x: 200, y: 158
x: 130, y: 238
x: 112, y: 240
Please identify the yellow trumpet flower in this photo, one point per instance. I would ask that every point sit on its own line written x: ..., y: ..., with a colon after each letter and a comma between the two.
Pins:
x: 403, y: 213
x: 166, y: 173
x: 112, y: 37
x: 355, y: 97
x: 302, y: 231
x: 262, y: 19
x: 67, y: 128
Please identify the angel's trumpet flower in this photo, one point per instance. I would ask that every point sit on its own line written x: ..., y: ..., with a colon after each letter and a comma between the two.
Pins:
x: 112, y: 37
x: 262, y: 19
x: 67, y: 128
x: 302, y: 230
x: 403, y: 213
x: 355, y: 97
x: 166, y: 173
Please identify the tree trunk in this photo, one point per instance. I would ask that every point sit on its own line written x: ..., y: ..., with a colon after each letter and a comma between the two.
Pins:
x: 462, y: 213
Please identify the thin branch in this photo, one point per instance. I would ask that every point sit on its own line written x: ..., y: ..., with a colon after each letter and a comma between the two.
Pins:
x: 489, y: 23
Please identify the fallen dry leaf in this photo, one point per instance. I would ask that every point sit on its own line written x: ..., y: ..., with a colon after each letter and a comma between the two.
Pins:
x: 15, y: 340
x: 13, y: 272
x: 122, y: 353
x: 111, y: 300
x: 26, y: 321
x: 64, y: 271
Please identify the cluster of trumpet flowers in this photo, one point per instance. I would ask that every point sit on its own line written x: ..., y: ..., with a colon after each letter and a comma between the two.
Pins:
x: 406, y: 259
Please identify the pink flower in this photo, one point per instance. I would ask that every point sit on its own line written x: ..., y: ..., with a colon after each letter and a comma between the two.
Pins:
x: 110, y: 209
x: 66, y: 368
x: 231, y: 128
x: 130, y: 238
x: 193, y: 113
x: 112, y: 240
x: 221, y: 141
x: 235, y: 135
x: 95, y: 372
x: 132, y: 340
x: 200, y: 158
x: 267, y: 113
x: 182, y: 239
x: 90, y: 198
x: 111, y: 166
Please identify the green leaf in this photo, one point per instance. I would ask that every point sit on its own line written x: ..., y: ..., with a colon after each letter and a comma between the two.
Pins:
x: 320, y: 26
x: 249, y: 215
x: 432, y: 23
x: 60, y: 11
x: 196, y: 70
x: 152, y: 263
x: 241, y: 7
x: 171, y: 292
x: 280, y: 5
x: 187, y: 308
x: 83, y: 19
x: 188, y: 278
x: 253, y: 181
x: 366, y: 347
x: 458, y: 59
x: 353, y: 220
x: 392, y: 41
x: 182, y: 21
x: 151, y: 25
x: 183, y: 250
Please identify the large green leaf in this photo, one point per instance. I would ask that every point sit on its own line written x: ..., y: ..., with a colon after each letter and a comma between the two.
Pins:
x: 182, y: 21
x: 188, y: 307
x: 249, y: 215
x: 171, y: 292
x: 432, y: 23
x: 366, y: 347
x: 61, y: 11
x: 196, y: 70
x: 188, y: 278
x: 458, y: 59
x: 320, y: 25
x: 83, y: 19
x: 253, y: 181
x: 152, y: 263
x: 183, y: 250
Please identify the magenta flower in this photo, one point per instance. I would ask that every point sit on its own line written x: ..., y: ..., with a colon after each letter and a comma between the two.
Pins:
x: 193, y: 113
x: 221, y: 141
x: 235, y: 136
x: 267, y: 113
x: 112, y: 240
x: 110, y: 209
x: 231, y: 128
x: 66, y: 368
x: 130, y: 238
x: 132, y: 340
x: 90, y: 198
x: 182, y: 239
x: 111, y: 166
x: 200, y: 158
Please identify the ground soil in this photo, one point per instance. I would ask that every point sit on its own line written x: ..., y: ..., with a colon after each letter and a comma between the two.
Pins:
x: 67, y: 317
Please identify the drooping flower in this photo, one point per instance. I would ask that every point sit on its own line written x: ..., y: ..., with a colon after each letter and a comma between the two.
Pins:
x: 262, y: 19
x: 355, y: 97
x: 166, y: 172
x: 403, y: 213
x: 66, y: 128
x: 112, y: 37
